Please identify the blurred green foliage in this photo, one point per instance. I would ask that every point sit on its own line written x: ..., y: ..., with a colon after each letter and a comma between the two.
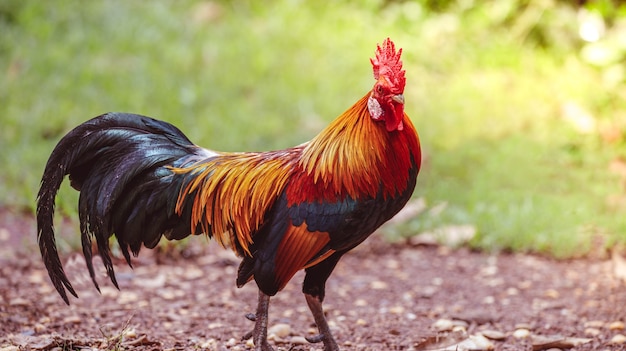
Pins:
x: 520, y: 104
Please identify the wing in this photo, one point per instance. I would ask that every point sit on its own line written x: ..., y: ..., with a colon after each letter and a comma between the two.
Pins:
x: 298, y: 236
x: 227, y: 197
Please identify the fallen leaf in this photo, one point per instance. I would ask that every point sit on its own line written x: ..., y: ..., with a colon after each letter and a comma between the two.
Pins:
x: 548, y: 342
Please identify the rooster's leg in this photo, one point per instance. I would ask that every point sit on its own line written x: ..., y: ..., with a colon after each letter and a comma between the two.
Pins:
x: 314, y: 289
x: 315, y: 305
x: 259, y: 333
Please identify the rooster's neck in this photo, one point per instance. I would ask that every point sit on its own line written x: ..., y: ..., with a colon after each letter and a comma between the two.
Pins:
x: 356, y: 156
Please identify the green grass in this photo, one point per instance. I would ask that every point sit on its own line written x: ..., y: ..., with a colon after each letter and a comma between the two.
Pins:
x: 486, y: 89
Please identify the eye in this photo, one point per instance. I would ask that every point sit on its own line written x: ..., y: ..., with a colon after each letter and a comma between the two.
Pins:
x: 379, y: 88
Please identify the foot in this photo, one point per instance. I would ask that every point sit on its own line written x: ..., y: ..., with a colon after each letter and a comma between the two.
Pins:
x: 259, y: 333
x: 325, y: 336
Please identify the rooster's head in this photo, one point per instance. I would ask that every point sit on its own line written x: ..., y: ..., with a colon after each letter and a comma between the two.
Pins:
x: 386, y: 102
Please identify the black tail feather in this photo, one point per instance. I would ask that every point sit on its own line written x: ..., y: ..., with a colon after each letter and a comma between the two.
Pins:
x: 119, y: 162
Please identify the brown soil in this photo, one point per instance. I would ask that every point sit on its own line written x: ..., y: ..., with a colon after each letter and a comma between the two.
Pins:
x: 381, y: 297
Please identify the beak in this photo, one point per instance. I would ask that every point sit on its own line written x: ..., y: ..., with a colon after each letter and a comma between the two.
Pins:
x: 398, y: 98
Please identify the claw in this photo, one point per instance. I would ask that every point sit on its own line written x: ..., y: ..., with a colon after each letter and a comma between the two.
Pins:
x: 315, y: 338
x: 247, y: 335
x: 251, y: 317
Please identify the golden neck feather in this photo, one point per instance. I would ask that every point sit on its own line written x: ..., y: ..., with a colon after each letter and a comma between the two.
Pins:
x: 353, y: 144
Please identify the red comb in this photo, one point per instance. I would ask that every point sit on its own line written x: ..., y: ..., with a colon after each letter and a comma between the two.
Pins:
x: 387, y: 63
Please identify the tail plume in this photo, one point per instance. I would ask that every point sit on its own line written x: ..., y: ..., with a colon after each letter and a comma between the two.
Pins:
x: 120, y: 164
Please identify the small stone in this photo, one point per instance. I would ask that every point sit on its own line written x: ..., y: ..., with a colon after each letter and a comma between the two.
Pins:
x: 551, y: 293
x: 210, y: 344
x: 378, y: 285
x: 249, y: 343
x: 19, y: 302
x: 299, y: 340
x: 592, y: 331
x: 72, y: 320
x: 459, y: 329
x: 523, y: 326
x: 512, y: 291
x: 493, y: 334
x: 130, y: 334
x: 594, y: 324
x: 618, y: 339
x: 360, y: 303
x: 475, y: 342
x: 521, y: 333
x: 489, y: 300
x: 396, y: 310
x: 525, y: 284
x: 281, y: 330
x: 617, y: 325
x: 460, y: 323
x: 443, y: 325
x: 39, y: 328
x: 361, y: 322
x: 10, y: 348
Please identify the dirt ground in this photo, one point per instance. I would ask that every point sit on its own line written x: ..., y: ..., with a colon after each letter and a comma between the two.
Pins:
x: 382, y: 296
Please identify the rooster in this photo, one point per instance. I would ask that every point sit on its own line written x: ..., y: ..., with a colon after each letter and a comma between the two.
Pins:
x: 281, y: 211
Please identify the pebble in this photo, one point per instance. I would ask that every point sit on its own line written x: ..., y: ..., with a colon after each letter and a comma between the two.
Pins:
x: 618, y: 339
x: 460, y: 324
x: 360, y: 303
x: 299, y: 340
x: 443, y: 325
x: 521, y: 333
x: 378, y: 285
x: 493, y: 334
x: 396, y: 310
x: 72, y: 320
x: 9, y: 348
x: 617, y: 325
x: 551, y: 293
x: 19, y: 302
x: 39, y: 328
x: 281, y: 330
x: 249, y: 343
x: 210, y: 344
x: 130, y: 334
x: 475, y: 342
x: 489, y: 300
x: 459, y: 328
x: 592, y: 331
x: 512, y: 291
x: 594, y: 324
x: 523, y: 326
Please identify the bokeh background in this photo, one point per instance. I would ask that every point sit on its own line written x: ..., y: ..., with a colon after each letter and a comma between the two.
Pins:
x: 520, y: 104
